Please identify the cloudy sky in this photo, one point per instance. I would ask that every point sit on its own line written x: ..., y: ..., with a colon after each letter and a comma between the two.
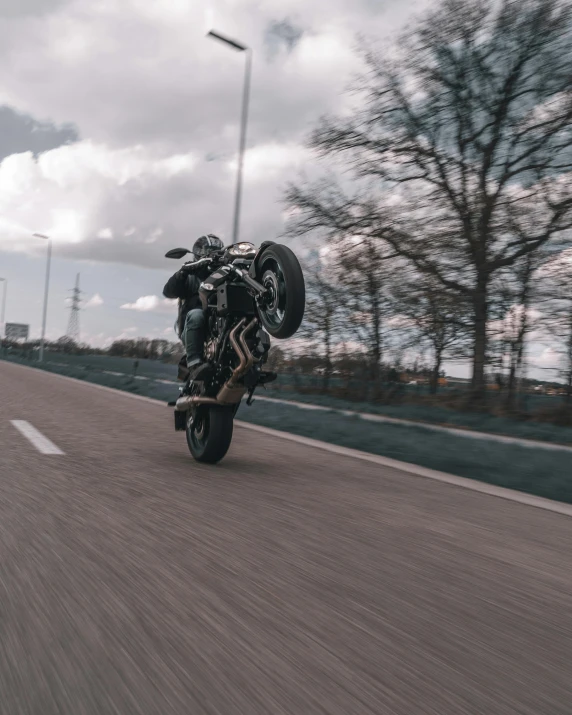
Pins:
x: 119, y: 129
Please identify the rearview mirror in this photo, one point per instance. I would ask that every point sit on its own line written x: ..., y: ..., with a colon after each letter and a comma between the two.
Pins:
x: 177, y: 253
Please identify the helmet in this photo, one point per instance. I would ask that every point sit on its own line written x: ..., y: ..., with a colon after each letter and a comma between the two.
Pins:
x: 205, y: 245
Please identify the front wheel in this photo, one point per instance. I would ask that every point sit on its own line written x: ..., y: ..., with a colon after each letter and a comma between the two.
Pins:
x: 209, y: 433
x: 280, y: 273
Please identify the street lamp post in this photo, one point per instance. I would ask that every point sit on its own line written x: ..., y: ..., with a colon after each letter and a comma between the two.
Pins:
x: 45, y: 315
x: 3, y: 314
x: 243, y: 123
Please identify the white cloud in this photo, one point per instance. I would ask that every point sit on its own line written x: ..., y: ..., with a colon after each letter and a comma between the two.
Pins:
x: 147, y: 303
x: 153, y: 97
x: 267, y: 161
x: 127, y: 334
x: 95, y: 301
x: 67, y: 191
x: 154, y: 76
x: 157, y: 107
x: 144, y: 201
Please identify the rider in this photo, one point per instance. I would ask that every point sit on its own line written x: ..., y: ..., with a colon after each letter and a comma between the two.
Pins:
x: 184, y: 284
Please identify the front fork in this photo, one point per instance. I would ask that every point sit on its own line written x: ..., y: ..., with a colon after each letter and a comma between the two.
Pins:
x: 262, y: 294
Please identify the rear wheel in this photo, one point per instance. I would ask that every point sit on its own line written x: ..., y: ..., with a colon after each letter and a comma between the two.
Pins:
x: 280, y: 273
x: 209, y: 433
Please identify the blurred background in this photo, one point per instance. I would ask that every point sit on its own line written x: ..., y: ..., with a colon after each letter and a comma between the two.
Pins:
x: 390, y: 530
x: 416, y: 156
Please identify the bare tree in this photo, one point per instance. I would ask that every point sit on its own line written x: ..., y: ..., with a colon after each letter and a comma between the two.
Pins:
x: 277, y: 358
x: 513, y: 295
x: 434, y: 318
x: 557, y: 310
x: 364, y: 267
x: 464, y: 143
x: 323, y: 314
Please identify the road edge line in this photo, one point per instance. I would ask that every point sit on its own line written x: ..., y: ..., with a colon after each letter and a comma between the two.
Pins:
x: 457, y: 431
x: 412, y: 469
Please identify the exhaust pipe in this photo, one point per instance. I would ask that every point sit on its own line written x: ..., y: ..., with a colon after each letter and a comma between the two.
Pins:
x: 184, y: 404
x: 230, y: 393
x: 246, y: 357
x: 250, y: 357
x: 238, y: 371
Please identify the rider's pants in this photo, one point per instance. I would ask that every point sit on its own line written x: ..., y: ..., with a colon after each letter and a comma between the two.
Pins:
x: 194, y: 335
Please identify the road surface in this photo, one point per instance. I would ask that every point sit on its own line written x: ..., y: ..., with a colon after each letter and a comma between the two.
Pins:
x: 284, y: 580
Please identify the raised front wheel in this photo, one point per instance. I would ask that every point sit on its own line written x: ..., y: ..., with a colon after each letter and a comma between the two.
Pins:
x: 280, y: 273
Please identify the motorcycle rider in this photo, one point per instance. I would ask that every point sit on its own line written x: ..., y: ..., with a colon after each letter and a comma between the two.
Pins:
x: 184, y: 285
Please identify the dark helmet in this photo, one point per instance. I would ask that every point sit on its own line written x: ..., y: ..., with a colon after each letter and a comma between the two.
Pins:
x: 205, y: 245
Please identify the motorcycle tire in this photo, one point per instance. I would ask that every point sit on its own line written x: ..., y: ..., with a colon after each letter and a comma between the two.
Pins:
x: 279, y: 271
x: 210, y: 434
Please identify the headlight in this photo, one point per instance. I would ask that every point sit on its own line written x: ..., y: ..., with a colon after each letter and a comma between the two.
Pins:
x: 207, y: 286
x: 242, y: 249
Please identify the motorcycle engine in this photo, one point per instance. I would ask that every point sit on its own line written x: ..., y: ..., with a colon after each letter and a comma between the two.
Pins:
x: 262, y: 345
x: 210, y: 349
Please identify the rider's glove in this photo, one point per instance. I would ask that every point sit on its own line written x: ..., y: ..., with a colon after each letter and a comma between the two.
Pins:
x: 193, y: 267
x: 187, y: 269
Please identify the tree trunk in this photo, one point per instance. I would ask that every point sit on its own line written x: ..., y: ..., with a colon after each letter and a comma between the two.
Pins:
x: 434, y: 383
x: 376, y: 347
x: 517, y: 346
x: 328, y: 350
x: 480, y: 308
x: 568, y: 396
x: 511, y: 385
x: 376, y: 353
x: 516, y: 365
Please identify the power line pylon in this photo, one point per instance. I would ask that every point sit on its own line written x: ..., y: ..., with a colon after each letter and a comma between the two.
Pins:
x: 73, y: 324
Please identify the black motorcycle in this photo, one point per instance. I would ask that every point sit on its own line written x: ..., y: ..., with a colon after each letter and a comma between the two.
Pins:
x: 250, y: 295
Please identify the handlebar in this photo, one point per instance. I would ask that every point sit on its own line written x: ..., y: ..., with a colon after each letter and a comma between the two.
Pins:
x: 195, y: 264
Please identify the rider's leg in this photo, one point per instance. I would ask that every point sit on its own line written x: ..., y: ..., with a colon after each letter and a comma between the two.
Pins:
x: 194, y: 336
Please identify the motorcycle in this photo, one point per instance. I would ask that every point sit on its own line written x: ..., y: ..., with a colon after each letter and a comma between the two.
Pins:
x: 250, y: 295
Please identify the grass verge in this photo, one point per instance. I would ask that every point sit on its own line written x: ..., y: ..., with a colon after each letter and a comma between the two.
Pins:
x: 446, y: 417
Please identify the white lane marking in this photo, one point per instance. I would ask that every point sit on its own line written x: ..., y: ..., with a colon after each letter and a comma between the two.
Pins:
x: 111, y: 372
x: 412, y: 469
x: 40, y: 442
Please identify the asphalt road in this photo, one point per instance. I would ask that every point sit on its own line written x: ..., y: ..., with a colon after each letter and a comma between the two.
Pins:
x: 284, y: 580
